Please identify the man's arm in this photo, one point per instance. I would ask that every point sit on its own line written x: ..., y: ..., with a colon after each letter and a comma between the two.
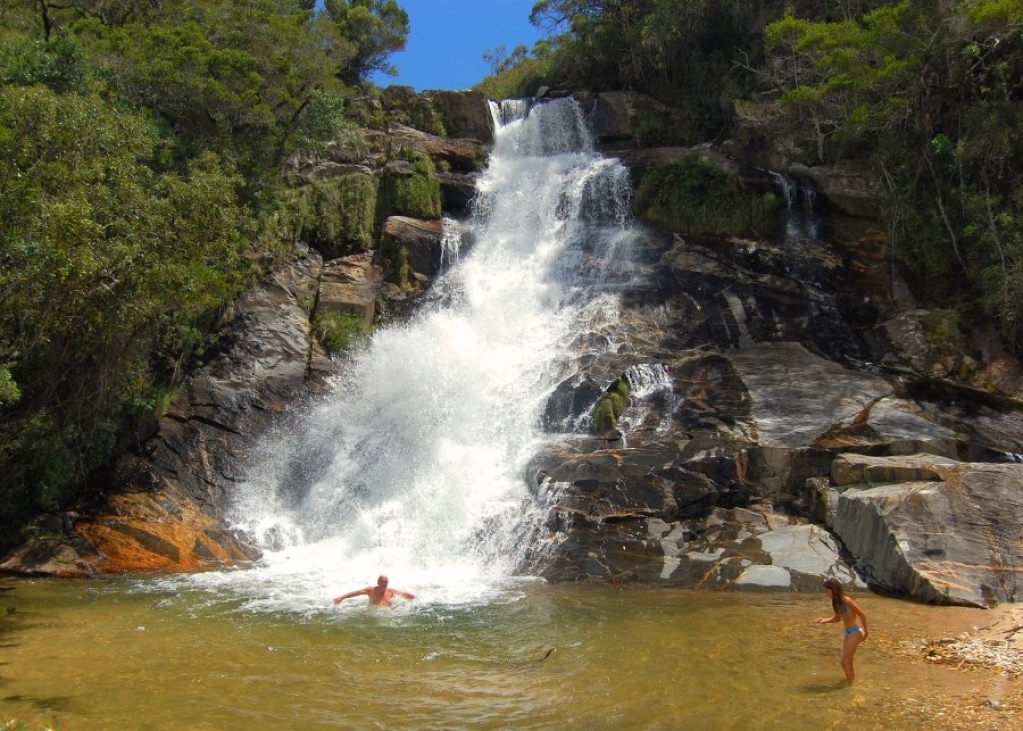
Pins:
x: 404, y: 594
x: 349, y: 595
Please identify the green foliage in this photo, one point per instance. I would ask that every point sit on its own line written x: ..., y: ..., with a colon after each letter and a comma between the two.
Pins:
x: 929, y: 95
x: 338, y: 332
x: 693, y: 196
x: 59, y: 64
x: 130, y: 132
x: 9, y: 391
x: 685, y: 54
x: 376, y: 28
x: 221, y: 75
x: 336, y: 215
x: 609, y: 409
x: 105, y: 266
x: 323, y: 129
x: 521, y: 74
x: 656, y: 126
x: 840, y: 81
x: 943, y: 332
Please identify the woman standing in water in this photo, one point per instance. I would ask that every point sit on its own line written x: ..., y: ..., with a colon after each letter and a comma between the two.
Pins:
x: 848, y: 612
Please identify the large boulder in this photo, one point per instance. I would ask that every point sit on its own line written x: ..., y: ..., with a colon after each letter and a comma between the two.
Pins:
x: 934, y: 529
x: 466, y: 114
x: 625, y: 119
x: 760, y: 384
x: 850, y: 191
x: 457, y: 190
x: 351, y: 285
x: 459, y: 155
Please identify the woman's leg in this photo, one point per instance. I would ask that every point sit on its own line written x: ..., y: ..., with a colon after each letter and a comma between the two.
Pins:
x: 849, y: 649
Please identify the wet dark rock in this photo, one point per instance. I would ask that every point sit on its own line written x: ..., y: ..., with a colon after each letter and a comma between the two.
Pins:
x: 457, y: 190
x: 570, y: 402
x: 771, y: 410
x: 421, y: 240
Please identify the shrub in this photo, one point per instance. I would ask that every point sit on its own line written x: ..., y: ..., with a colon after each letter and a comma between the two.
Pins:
x: 336, y: 214
x: 943, y: 333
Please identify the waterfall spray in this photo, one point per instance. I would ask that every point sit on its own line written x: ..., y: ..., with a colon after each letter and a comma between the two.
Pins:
x: 415, y: 466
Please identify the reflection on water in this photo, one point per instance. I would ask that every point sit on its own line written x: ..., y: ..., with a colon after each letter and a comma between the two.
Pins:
x: 109, y: 655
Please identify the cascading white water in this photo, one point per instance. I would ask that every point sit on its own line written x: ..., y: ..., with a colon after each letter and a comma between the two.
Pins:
x: 415, y: 467
x: 801, y: 220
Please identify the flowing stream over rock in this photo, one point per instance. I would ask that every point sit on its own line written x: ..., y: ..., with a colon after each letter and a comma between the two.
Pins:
x: 415, y: 466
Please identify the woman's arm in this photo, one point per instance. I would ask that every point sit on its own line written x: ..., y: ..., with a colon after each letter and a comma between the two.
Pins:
x: 828, y: 620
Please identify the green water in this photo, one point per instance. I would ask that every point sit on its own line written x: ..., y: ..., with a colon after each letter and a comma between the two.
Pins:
x: 107, y: 655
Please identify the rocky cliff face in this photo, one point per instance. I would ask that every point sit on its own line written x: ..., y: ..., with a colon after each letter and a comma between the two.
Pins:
x: 782, y: 365
x: 788, y: 415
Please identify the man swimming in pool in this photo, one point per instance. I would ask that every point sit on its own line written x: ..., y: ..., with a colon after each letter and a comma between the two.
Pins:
x: 379, y: 595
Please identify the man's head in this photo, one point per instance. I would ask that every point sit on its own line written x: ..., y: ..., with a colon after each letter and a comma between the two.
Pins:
x: 382, y: 581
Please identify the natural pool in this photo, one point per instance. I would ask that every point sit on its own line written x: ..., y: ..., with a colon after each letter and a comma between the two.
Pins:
x: 145, y: 654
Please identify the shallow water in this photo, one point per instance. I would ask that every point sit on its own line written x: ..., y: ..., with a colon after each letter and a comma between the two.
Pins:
x: 123, y: 654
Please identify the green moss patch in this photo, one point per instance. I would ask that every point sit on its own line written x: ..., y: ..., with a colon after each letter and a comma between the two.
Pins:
x: 692, y: 196
x: 611, y: 406
x: 338, y: 332
x: 335, y: 215
x: 415, y: 194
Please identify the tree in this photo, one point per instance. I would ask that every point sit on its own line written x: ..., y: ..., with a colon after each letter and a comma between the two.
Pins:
x: 223, y: 75
x: 107, y: 266
x: 842, y: 79
x: 376, y: 28
x: 929, y: 94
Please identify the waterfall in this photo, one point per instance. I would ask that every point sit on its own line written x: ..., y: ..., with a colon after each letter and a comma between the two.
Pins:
x: 450, y: 243
x: 651, y: 391
x: 415, y: 466
x: 802, y: 217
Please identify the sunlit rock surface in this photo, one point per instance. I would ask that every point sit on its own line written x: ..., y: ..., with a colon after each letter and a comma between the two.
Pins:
x: 940, y: 530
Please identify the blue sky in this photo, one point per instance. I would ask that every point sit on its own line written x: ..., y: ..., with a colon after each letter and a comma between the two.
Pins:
x: 448, y: 38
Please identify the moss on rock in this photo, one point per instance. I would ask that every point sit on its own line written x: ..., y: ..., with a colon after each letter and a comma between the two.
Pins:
x: 335, y: 215
x: 691, y: 195
x: 611, y: 406
x: 339, y: 331
x: 411, y: 189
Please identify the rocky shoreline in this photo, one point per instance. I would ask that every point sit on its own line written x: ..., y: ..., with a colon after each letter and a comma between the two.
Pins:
x: 984, y: 648
x: 996, y: 646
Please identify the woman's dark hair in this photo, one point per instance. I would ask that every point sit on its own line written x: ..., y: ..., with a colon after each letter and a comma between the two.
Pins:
x: 837, y: 594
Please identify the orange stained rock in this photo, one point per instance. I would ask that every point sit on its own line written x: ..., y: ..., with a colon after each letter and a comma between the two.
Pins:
x: 145, y: 533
